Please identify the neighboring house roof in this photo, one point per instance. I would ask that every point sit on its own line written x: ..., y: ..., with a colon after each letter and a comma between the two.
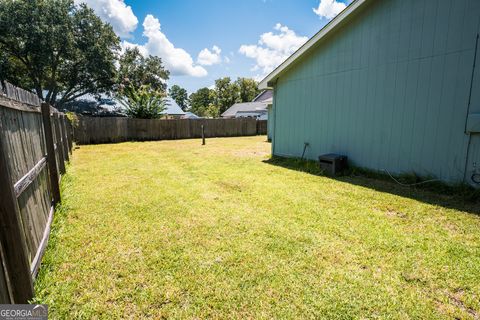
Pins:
x: 191, y: 115
x: 245, y: 107
x: 172, y: 108
x: 264, y: 96
x: 336, y: 22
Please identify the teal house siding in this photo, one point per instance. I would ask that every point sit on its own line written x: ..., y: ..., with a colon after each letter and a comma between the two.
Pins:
x: 391, y: 88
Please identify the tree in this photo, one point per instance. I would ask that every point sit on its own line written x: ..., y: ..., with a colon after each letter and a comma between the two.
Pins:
x: 139, y: 71
x: 142, y: 85
x: 57, y: 47
x: 226, y: 94
x: 180, y: 96
x: 248, y: 89
x: 7, y: 70
x: 212, y: 111
x: 141, y: 103
x: 201, y: 100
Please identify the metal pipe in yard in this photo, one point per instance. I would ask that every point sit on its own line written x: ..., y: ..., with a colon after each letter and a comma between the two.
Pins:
x: 203, y: 135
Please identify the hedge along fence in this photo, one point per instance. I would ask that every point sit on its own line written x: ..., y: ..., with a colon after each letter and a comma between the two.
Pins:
x: 92, y: 130
x: 35, y: 142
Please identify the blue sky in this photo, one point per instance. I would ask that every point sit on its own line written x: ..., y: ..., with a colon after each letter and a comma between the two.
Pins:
x: 200, y: 41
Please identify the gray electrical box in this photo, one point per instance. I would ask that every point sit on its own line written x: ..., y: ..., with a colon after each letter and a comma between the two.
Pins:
x: 333, y: 164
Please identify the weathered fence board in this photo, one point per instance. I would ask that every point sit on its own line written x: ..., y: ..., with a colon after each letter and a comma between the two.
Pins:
x: 4, y: 290
x: 262, y: 127
x: 22, y: 137
x: 18, y: 94
x: 26, y: 211
x: 12, y: 236
x: 93, y: 130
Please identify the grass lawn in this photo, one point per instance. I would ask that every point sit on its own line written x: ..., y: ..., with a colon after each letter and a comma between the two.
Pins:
x: 179, y: 230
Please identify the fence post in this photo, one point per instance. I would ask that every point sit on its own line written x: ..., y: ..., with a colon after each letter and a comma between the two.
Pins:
x: 63, y: 130
x: 52, y: 163
x: 203, y: 135
x: 70, y: 134
x: 12, y: 236
x: 59, y: 144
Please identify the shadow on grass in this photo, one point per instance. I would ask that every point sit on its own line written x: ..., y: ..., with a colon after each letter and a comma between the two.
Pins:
x: 459, y: 197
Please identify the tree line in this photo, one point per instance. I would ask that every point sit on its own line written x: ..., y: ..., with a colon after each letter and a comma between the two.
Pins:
x: 64, y: 51
x: 213, y: 102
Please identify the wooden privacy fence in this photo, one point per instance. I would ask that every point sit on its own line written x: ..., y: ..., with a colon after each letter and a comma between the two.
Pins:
x: 35, y: 142
x: 262, y: 127
x: 117, y: 129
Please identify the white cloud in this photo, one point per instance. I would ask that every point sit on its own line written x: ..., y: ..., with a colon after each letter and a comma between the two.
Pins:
x: 115, y: 12
x: 273, y: 48
x: 128, y: 45
x: 176, y: 60
x: 258, y: 77
x: 208, y: 58
x: 329, y: 8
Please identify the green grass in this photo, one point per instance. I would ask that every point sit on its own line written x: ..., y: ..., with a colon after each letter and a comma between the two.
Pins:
x: 179, y: 230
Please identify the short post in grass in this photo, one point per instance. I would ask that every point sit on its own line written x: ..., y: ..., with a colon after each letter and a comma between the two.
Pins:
x: 203, y: 135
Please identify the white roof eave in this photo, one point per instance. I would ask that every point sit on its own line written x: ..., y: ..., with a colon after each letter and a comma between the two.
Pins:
x: 268, y: 81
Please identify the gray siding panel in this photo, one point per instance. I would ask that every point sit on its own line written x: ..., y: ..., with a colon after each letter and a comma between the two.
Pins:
x: 389, y: 89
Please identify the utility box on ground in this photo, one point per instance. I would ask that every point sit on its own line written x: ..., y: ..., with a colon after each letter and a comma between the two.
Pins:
x: 333, y: 164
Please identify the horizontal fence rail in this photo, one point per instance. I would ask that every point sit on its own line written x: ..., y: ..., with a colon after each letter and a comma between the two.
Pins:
x: 30, y: 169
x: 93, y: 130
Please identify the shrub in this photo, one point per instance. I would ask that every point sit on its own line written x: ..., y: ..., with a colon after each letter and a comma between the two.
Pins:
x: 142, y: 103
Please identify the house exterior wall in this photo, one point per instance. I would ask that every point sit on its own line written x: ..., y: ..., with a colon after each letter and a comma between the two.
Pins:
x: 390, y: 89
